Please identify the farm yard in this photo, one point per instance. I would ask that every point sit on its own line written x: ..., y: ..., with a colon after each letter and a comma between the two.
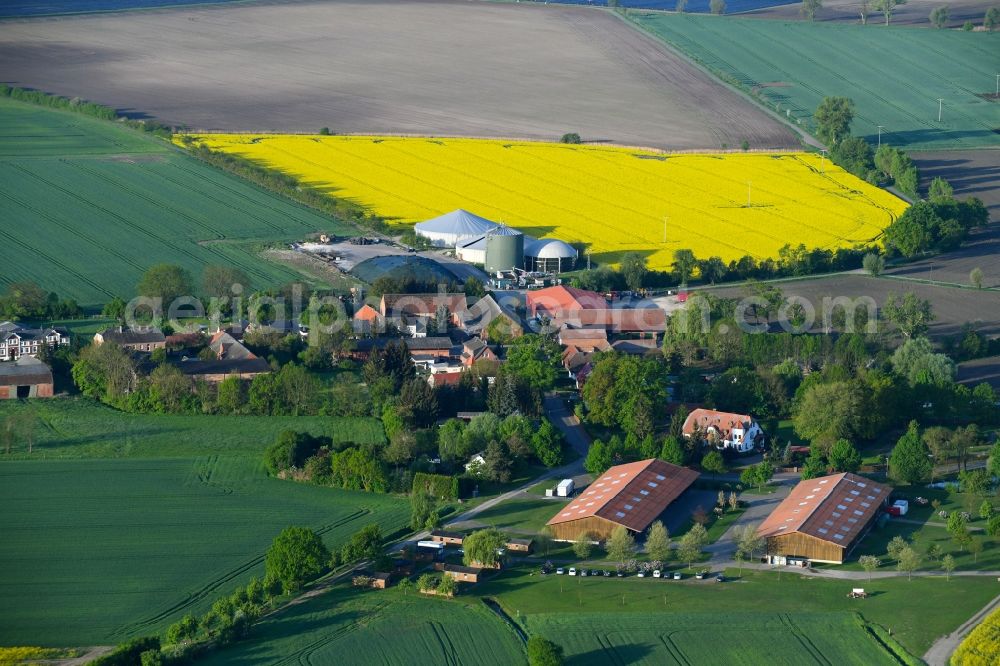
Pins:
x: 530, y: 67
x: 88, y: 206
x: 793, y: 65
x: 614, y: 202
x: 96, y: 551
x: 348, y: 626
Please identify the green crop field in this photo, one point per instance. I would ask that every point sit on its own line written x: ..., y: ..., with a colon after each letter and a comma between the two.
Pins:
x: 348, y: 626
x: 88, y: 206
x: 116, y: 524
x: 917, y: 611
x: 724, y: 637
x: 84, y: 428
x: 894, y: 75
x: 95, y: 551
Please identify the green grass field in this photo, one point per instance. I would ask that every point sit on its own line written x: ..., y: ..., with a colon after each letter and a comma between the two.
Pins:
x: 89, y: 205
x: 724, y: 637
x: 349, y: 626
x: 84, y: 428
x: 916, y: 611
x: 95, y: 551
x: 894, y: 75
x: 117, y: 524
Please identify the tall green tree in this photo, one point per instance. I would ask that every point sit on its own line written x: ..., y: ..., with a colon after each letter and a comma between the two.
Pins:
x: 887, y: 7
x: 833, y: 119
x: 844, y: 457
x: 620, y: 545
x: 634, y: 270
x: 717, y: 7
x: 296, y: 556
x: 482, y: 548
x: 691, y: 544
x: 167, y: 282
x: 939, y: 16
x: 909, y: 462
x: 684, y: 264
x: 911, y: 315
x: 658, y: 542
x: 543, y: 652
x: 810, y: 7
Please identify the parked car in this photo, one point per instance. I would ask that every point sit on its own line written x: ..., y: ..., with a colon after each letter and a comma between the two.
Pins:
x: 677, y: 575
x: 641, y: 574
x: 583, y: 572
x: 560, y: 571
x: 621, y: 574
x: 700, y: 575
x: 656, y: 573
x: 572, y: 571
x: 606, y: 573
x: 720, y: 578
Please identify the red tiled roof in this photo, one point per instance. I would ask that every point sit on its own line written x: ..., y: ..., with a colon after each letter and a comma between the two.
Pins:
x: 633, y: 494
x: 722, y: 422
x: 617, y: 320
x: 832, y: 508
x: 446, y: 379
x: 559, y: 299
x: 397, y: 305
x: 366, y: 313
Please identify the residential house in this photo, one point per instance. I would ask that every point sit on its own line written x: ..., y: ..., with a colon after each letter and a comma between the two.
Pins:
x: 17, y: 341
x: 724, y: 430
x: 561, y: 301
x: 141, y: 339
x: 474, y: 350
x: 231, y: 359
x: 27, y: 377
x: 822, y: 519
x: 423, y: 348
x: 475, y: 463
x: 485, y: 315
x: 368, y: 321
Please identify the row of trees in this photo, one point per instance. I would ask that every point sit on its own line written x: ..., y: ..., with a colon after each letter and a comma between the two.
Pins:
x: 26, y: 300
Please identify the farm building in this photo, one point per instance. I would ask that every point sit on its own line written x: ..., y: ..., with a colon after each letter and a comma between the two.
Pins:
x: 560, y: 301
x: 448, y: 538
x: 550, y: 256
x: 480, y: 317
x: 27, y: 377
x: 822, y: 519
x: 444, y: 306
x: 724, y: 429
x: 231, y: 359
x: 520, y: 545
x: 632, y: 495
x: 499, y: 249
x: 137, y: 339
x: 454, y: 228
x: 460, y: 573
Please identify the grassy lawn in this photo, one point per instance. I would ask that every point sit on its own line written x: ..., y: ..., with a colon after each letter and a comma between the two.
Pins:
x: 916, y: 611
x: 351, y: 626
x: 716, y: 525
x: 96, y: 551
x: 523, y: 516
x: 921, y: 539
x: 84, y: 428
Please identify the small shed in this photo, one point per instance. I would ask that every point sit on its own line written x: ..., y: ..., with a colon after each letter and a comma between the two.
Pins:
x: 520, y: 545
x: 27, y: 377
x: 460, y: 573
x: 448, y: 538
x: 381, y: 580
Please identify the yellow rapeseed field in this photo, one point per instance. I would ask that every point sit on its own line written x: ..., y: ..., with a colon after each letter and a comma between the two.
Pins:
x: 613, y: 200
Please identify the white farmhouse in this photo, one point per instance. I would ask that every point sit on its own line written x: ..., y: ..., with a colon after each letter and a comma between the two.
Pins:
x: 724, y: 429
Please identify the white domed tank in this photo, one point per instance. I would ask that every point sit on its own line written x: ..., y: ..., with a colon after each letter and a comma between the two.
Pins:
x: 550, y: 255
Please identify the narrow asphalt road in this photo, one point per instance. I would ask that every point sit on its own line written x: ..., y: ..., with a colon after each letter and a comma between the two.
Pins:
x: 940, y: 652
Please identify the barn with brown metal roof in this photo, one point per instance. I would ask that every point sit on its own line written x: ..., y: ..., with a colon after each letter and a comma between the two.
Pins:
x: 632, y: 495
x: 822, y: 519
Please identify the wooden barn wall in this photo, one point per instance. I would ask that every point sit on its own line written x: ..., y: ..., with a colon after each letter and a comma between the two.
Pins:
x: 804, y: 545
x: 574, y: 529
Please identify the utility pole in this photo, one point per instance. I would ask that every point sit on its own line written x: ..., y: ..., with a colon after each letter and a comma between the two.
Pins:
x: 998, y: 85
x: 748, y: 194
x: 940, y: 102
x: 822, y: 160
x: 879, y: 136
x: 665, y: 218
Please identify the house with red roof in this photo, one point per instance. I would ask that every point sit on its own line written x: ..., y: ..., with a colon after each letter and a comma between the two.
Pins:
x: 559, y: 301
x: 724, y: 430
x: 632, y: 495
x: 368, y: 320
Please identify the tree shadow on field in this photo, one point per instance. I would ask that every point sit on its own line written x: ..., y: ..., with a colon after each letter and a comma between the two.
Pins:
x: 537, y: 231
x: 131, y: 434
x: 633, y: 653
x: 601, y: 258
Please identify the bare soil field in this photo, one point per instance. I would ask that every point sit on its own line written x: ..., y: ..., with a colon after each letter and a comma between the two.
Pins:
x: 914, y: 12
x: 441, y: 67
x: 972, y: 173
x: 953, y: 307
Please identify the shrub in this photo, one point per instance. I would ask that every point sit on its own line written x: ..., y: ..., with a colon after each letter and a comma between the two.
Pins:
x: 570, y: 137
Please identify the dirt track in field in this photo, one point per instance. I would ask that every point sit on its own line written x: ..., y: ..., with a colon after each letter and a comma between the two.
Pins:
x: 392, y: 66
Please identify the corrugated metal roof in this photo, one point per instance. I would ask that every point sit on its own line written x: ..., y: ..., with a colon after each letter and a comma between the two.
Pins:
x: 632, y: 495
x: 832, y: 508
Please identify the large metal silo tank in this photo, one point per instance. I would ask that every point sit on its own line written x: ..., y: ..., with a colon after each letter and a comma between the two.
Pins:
x: 504, y: 252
